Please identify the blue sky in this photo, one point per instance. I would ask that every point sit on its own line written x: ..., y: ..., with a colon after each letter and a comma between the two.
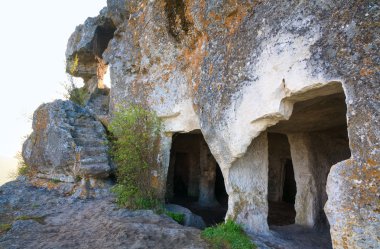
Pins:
x: 33, y: 43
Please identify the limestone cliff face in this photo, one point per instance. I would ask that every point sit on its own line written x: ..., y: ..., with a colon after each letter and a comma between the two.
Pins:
x: 233, y: 70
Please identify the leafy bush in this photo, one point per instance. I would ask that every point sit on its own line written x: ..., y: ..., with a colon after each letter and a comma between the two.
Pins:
x: 134, y: 148
x: 77, y: 95
x: 227, y: 235
x: 127, y: 196
x: 179, y: 218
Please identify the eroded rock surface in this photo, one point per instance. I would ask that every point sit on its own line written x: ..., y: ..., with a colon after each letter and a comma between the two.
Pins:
x: 67, y: 141
x: 46, y: 219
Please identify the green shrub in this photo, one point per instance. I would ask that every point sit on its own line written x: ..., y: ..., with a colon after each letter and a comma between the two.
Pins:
x: 227, y: 235
x: 179, y: 218
x: 127, y: 196
x: 134, y: 148
x: 77, y: 95
x: 40, y: 220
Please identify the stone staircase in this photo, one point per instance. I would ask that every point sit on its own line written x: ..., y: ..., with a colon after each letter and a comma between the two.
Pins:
x: 67, y: 141
x: 99, y: 101
x: 91, y: 146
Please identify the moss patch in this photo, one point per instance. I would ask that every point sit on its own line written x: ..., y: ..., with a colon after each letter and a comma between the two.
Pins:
x: 40, y: 220
x: 179, y: 218
x: 5, y: 228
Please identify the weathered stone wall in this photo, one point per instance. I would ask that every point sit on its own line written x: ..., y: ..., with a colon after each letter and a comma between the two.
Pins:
x: 234, y: 68
x: 329, y: 148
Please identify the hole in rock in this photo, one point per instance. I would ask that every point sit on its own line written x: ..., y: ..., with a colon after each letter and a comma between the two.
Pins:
x: 301, y: 153
x: 100, y: 89
x: 178, y: 25
x: 195, y: 180
x: 103, y: 35
x: 91, y: 66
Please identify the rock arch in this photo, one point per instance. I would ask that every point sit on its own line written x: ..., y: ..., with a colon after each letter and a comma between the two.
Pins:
x: 84, y: 54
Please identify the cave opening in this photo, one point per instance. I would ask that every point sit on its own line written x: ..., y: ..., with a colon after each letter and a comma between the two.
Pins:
x: 195, y: 180
x: 281, y: 182
x: 313, y: 139
x: 103, y: 35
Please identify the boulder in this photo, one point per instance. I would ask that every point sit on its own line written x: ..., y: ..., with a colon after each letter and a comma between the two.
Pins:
x: 348, y: 192
x: 67, y: 141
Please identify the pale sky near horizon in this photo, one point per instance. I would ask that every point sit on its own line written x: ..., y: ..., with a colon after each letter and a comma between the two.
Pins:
x: 33, y: 41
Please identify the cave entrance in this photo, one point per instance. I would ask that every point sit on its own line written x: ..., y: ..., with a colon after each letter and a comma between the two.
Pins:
x: 195, y: 180
x: 316, y: 134
x: 281, y: 182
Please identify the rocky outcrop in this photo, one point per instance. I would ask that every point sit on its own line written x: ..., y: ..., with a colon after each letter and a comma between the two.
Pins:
x: 238, y: 70
x: 39, y: 218
x: 67, y: 142
x: 86, y: 46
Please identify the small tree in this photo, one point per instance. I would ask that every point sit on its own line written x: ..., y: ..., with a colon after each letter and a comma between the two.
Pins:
x: 134, y: 148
